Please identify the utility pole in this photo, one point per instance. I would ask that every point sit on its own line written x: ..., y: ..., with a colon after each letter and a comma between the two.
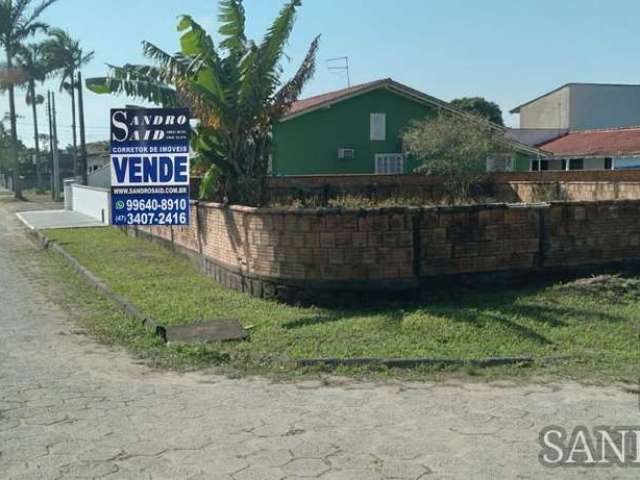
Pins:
x: 36, y: 140
x: 83, y: 139
x: 56, y: 153
x: 49, y: 117
x: 76, y: 167
x: 13, y: 124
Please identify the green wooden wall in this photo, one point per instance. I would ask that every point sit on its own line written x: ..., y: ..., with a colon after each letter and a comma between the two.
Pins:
x: 521, y: 162
x: 308, y: 144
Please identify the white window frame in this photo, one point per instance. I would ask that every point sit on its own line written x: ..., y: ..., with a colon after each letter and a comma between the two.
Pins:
x: 496, y: 161
x: 378, y: 127
x: 346, y: 154
x: 389, y: 164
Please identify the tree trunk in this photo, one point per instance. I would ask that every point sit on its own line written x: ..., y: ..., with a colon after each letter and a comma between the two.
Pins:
x: 36, y: 141
x: 14, y: 126
x: 76, y: 166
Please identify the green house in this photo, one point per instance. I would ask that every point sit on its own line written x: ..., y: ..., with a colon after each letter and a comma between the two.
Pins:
x: 353, y: 131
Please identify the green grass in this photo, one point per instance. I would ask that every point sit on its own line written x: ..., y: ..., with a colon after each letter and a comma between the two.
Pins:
x: 595, y: 323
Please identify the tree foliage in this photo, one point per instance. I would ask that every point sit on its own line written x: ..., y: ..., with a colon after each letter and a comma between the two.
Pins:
x: 455, y: 147
x: 19, y: 20
x: 34, y: 67
x: 481, y: 107
x: 234, y: 89
x: 64, y: 56
x: 7, y: 149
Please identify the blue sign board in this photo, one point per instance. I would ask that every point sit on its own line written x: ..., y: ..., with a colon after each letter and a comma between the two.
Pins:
x: 150, y: 166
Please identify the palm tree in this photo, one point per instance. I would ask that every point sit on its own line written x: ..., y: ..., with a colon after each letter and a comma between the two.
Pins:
x: 35, y: 68
x: 18, y: 21
x: 233, y: 89
x: 67, y: 58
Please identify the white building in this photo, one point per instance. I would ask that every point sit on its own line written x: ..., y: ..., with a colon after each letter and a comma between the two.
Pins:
x: 583, y: 106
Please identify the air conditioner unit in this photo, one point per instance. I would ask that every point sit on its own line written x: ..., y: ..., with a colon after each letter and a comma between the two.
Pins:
x: 346, y: 153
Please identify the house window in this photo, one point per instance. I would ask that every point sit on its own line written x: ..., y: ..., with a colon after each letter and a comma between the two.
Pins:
x: 378, y: 125
x: 576, y: 164
x: 608, y: 163
x: 500, y: 163
x: 544, y: 165
x: 389, y: 163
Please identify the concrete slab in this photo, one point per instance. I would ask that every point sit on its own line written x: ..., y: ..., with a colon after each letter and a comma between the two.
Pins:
x: 52, y: 219
x: 213, y: 331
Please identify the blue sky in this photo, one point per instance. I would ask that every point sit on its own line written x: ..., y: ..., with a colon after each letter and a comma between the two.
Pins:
x: 508, y: 51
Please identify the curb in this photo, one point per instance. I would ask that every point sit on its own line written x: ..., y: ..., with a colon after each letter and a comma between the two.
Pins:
x: 412, y: 362
x: 128, y: 308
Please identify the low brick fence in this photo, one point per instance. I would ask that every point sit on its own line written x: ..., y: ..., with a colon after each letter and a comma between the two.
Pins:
x: 576, y: 185
x: 595, y: 190
x: 296, y: 253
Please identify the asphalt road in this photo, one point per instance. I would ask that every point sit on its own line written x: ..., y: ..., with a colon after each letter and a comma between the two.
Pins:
x: 71, y: 408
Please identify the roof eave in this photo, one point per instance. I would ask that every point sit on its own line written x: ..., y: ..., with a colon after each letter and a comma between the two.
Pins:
x: 387, y: 83
x: 592, y: 155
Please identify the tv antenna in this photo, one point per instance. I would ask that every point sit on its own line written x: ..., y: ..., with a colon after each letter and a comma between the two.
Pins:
x: 338, y: 66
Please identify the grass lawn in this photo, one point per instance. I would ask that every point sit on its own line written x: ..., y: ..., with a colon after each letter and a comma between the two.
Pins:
x: 594, y: 322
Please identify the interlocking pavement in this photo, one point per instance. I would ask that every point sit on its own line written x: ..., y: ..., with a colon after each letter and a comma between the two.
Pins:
x: 72, y: 408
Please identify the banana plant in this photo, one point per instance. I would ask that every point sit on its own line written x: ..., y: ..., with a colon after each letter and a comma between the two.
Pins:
x: 233, y: 89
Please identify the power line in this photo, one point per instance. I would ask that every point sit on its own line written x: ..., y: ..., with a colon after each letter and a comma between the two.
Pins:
x: 22, y: 124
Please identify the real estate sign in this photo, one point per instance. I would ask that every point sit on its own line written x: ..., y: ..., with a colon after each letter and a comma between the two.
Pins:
x: 150, y: 166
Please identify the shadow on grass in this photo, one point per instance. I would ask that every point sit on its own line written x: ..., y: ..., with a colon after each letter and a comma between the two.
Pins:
x: 317, y: 320
x: 526, y: 321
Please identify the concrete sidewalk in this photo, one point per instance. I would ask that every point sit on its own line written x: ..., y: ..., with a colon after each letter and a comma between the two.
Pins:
x: 50, y: 219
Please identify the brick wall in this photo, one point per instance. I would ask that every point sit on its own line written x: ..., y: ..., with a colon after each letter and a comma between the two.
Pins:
x: 263, y: 251
x: 300, y: 245
x: 479, y: 239
x: 581, y: 191
x: 592, y: 233
x: 585, y: 185
x: 501, y: 177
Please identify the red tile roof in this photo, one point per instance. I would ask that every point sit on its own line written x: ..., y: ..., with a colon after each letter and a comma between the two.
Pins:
x: 313, y: 102
x: 617, y: 141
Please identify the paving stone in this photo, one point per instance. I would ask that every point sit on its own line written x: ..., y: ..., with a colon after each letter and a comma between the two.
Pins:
x: 276, y: 458
x: 391, y: 469
x: 260, y: 473
x: 307, y: 467
x: 89, y: 469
